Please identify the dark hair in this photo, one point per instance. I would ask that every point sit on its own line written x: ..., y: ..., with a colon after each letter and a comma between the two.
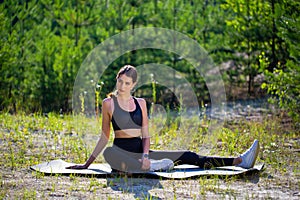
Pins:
x: 129, y: 71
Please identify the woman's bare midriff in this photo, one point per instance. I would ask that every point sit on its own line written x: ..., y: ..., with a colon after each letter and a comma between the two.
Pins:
x: 128, y: 133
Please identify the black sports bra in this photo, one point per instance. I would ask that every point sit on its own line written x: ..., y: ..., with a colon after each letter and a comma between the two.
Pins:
x: 122, y: 119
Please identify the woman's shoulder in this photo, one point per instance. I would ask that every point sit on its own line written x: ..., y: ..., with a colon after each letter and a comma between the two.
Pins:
x: 107, y: 101
x: 141, y: 100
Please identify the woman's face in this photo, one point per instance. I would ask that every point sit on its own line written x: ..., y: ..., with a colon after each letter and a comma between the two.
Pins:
x: 124, y: 84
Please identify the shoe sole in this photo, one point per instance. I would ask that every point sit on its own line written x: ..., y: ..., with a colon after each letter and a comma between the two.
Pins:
x: 163, y: 166
x: 256, y: 154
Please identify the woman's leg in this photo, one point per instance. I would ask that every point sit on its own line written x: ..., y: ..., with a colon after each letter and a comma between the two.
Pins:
x: 188, y: 157
x: 124, y: 154
x: 122, y: 160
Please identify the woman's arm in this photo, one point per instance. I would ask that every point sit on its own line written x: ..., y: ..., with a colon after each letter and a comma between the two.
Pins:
x: 145, y: 127
x: 103, y: 140
x: 145, y: 136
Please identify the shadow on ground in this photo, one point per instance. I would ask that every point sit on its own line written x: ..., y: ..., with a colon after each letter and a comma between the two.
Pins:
x: 139, y: 187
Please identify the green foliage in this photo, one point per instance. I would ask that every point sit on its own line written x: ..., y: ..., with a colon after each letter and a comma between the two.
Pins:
x: 284, y: 81
x: 285, y: 86
x: 43, y: 44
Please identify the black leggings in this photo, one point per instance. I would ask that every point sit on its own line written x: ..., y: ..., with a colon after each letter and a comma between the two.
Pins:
x: 125, y: 153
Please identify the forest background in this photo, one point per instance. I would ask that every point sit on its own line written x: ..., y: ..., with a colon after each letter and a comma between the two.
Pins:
x: 255, y: 44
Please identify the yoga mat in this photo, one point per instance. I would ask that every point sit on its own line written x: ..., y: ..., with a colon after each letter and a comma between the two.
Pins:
x: 179, y: 172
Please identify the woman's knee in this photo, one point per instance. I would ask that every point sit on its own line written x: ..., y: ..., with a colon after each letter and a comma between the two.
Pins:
x: 189, y: 157
x: 108, y: 153
x: 112, y: 154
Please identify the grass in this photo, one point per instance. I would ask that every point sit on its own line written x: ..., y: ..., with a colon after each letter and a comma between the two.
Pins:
x: 26, y: 140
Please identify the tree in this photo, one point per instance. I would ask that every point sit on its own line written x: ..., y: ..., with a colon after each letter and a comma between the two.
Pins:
x: 18, y: 20
x: 283, y: 82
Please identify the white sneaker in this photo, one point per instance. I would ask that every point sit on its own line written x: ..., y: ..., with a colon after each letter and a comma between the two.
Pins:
x: 249, y: 156
x: 161, y: 165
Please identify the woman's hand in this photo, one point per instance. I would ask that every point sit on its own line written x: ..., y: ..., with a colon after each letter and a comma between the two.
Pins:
x: 145, y: 164
x: 77, y: 167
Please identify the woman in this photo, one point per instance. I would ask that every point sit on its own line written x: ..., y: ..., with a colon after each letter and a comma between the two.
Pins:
x: 131, y: 146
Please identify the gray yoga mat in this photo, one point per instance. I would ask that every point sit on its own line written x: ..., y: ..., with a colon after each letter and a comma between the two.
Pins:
x: 179, y: 172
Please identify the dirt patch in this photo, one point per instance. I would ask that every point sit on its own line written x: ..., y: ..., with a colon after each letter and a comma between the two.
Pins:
x: 267, y: 184
x: 21, y: 147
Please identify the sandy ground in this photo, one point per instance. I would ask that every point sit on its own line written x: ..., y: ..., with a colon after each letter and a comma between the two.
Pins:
x: 278, y: 180
x: 25, y: 183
